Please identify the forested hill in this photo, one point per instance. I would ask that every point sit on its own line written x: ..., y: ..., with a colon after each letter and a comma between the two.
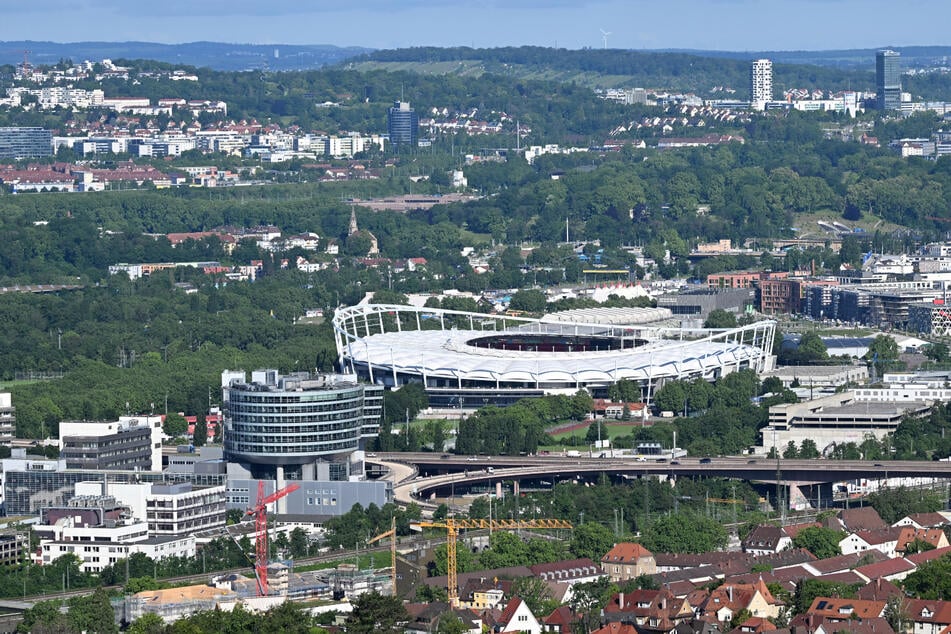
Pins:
x: 215, y: 55
x: 615, y: 68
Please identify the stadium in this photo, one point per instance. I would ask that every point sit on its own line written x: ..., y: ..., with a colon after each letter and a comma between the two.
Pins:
x: 467, y: 360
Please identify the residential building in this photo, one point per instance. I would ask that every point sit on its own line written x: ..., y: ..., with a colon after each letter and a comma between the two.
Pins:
x: 837, y: 610
x: 888, y: 79
x: 275, y: 424
x: 20, y: 143
x: 928, y: 616
x: 924, y: 520
x: 884, y: 540
x: 766, y: 539
x: 8, y: 419
x: 402, y: 124
x: 518, y: 617
x: 570, y: 572
x: 726, y: 601
x: 934, y: 537
x: 628, y: 561
x: 761, y: 83
x: 656, y: 610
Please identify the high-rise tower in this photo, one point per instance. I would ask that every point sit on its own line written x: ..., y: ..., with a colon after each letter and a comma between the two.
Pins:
x: 402, y: 125
x: 761, y: 83
x: 888, y: 79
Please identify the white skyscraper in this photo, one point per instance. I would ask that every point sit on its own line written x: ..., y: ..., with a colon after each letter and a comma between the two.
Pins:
x: 761, y: 83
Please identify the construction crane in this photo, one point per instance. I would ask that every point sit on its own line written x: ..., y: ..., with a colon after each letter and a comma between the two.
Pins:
x: 392, y: 535
x: 453, y: 526
x: 259, y: 511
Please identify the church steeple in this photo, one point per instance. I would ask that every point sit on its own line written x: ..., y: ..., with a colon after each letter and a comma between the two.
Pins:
x: 353, y: 221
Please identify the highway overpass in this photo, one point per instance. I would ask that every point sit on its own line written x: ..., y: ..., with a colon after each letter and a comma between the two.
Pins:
x: 442, y: 472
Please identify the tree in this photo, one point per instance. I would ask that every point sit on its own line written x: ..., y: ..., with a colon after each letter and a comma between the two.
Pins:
x: 148, y: 623
x: 175, y: 425
x: 811, y: 348
x: 882, y: 351
x: 536, y: 593
x: 530, y: 301
x: 92, y: 613
x: 931, y: 580
x: 808, y: 589
x: 820, y: 541
x: 790, y: 451
x: 449, y: 623
x: 374, y: 613
x: 808, y: 449
x: 719, y: 318
x: 938, y: 352
x: 200, y: 435
x: 894, y: 504
x: 684, y: 532
x: 591, y: 540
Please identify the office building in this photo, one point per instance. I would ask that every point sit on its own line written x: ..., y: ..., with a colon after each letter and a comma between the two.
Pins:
x: 286, y: 425
x: 129, y: 444
x: 19, y: 143
x: 100, y: 531
x: 761, y: 83
x: 30, y: 485
x: 8, y: 420
x: 402, y: 124
x: 169, y: 509
x: 888, y: 79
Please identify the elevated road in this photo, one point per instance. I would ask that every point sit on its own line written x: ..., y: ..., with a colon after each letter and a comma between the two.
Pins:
x: 442, y: 472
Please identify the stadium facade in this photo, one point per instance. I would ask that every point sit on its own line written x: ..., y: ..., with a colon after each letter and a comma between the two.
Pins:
x: 467, y: 360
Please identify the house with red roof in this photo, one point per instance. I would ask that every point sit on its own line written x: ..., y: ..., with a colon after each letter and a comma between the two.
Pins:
x: 561, y: 621
x: 616, y: 628
x: 653, y: 610
x: 755, y: 625
x: 838, y: 610
x: 884, y: 540
x: 766, y: 539
x: 923, y: 520
x: 928, y: 616
x: 894, y: 569
x: 726, y: 601
x: 864, y: 518
x: 517, y: 617
x: 628, y: 561
x: 909, y: 535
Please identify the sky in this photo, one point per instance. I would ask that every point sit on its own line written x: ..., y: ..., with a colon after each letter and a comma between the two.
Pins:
x: 732, y: 25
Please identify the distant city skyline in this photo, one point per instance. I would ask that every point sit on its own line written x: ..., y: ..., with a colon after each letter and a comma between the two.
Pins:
x: 726, y: 25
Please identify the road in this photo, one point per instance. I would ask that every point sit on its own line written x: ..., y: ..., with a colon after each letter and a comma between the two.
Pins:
x: 475, y: 470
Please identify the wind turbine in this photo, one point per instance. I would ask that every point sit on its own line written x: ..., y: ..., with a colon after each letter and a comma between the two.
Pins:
x: 604, y: 37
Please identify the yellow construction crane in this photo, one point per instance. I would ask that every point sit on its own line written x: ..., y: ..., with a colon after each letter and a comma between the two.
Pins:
x: 453, y: 526
x: 392, y: 535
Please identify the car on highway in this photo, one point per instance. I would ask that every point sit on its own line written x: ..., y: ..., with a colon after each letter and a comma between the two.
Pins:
x: 706, y: 460
x: 661, y: 460
x: 446, y: 456
x: 471, y: 458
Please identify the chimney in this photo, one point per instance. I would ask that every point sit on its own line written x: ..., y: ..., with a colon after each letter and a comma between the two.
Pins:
x: 730, y: 590
x: 620, y: 600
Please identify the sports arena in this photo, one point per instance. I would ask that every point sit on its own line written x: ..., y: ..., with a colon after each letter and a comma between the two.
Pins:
x: 467, y: 360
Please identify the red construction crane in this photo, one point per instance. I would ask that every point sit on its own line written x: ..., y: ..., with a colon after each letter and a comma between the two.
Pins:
x: 259, y: 511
